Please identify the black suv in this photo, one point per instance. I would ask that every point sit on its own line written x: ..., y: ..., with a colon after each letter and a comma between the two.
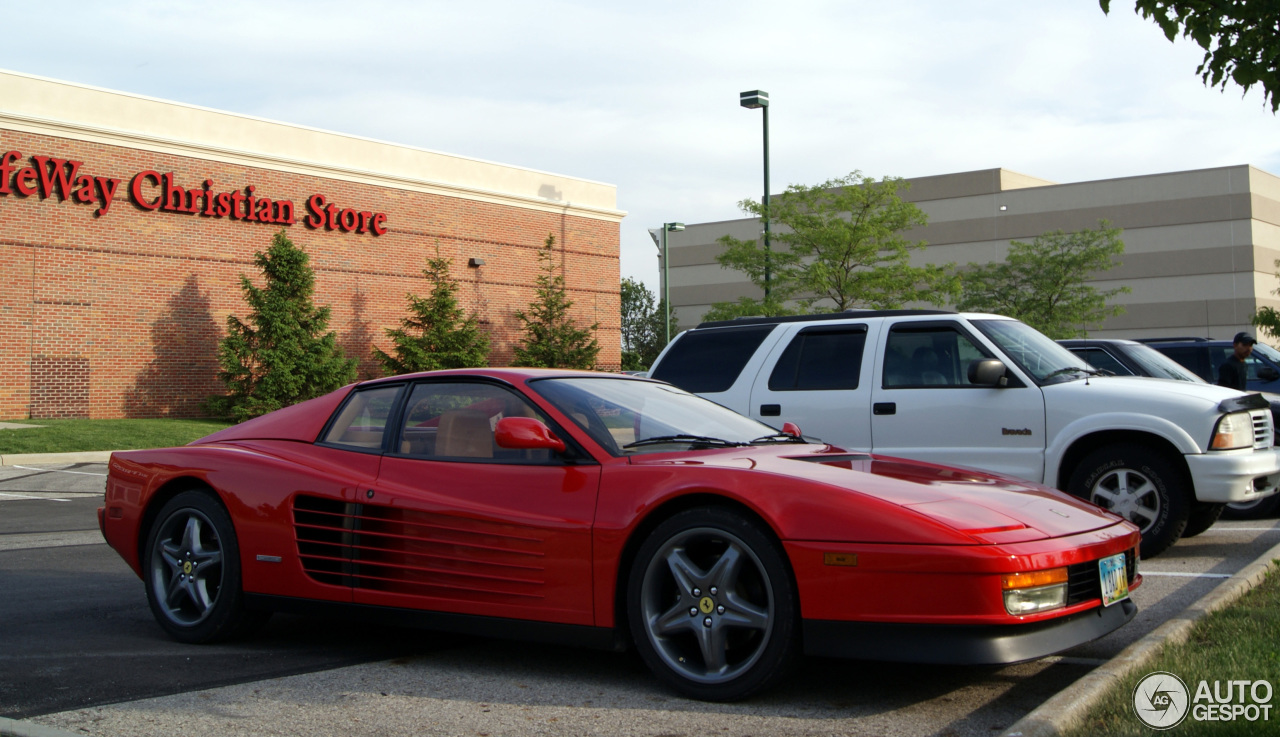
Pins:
x: 1204, y: 356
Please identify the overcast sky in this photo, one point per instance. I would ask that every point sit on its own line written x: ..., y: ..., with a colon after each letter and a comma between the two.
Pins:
x: 645, y: 95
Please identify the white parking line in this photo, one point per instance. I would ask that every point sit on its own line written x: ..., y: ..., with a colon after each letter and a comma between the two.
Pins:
x: 1242, y: 529
x: 57, y: 470
x: 34, y: 540
x: 24, y: 496
x: 1183, y: 575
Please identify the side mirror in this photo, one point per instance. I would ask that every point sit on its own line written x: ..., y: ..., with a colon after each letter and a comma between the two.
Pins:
x: 987, y: 372
x: 791, y: 429
x: 1266, y: 373
x: 526, y: 433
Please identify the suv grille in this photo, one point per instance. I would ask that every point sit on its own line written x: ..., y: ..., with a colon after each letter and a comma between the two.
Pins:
x: 404, y: 551
x: 1084, y: 583
x: 1262, y: 429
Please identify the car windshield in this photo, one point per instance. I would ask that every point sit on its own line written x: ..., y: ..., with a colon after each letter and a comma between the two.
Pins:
x: 1271, y: 354
x: 1159, y: 365
x: 1033, y: 352
x: 633, y: 416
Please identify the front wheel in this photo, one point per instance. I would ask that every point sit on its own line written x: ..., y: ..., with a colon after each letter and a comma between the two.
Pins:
x: 1140, y: 485
x: 1202, y: 517
x: 711, y: 603
x: 192, y: 571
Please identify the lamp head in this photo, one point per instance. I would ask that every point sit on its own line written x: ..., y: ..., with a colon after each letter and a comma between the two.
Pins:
x: 674, y: 227
x: 753, y: 99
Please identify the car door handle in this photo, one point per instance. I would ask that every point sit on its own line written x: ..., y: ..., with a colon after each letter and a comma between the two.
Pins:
x: 884, y: 408
x: 770, y: 410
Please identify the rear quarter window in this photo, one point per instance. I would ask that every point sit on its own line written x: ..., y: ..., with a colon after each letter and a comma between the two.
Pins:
x: 708, y: 361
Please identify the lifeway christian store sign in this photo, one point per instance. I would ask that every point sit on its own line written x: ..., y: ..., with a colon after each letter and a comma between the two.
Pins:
x: 151, y: 191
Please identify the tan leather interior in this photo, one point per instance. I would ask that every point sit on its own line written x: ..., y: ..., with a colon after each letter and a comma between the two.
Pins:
x: 464, y: 434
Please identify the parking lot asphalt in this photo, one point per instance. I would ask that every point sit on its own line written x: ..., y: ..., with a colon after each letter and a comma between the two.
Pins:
x: 459, y: 686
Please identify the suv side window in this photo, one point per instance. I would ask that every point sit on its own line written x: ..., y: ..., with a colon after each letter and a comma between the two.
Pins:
x: 929, y: 356
x: 1219, y: 354
x: 708, y: 361
x: 821, y: 359
x: 1194, y: 357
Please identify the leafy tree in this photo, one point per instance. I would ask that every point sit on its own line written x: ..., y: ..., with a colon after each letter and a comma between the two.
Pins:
x: 842, y: 247
x: 437, y: 334
x: 1042, y: 283
x: 1240, y: 38
x: 1267, y: 318
x: 281, y: 353
x: 643, y: 329
x: 551, y: 337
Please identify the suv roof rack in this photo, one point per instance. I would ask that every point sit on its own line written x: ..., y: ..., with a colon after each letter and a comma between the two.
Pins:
x: 846, y: 315
x: 1172, y: 339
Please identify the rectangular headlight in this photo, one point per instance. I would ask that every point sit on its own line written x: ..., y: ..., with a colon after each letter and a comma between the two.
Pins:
x: 1234, y: 431
x: 1034, y: 591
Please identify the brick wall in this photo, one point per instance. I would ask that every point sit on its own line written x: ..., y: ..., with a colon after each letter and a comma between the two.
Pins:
x: 119, y: 315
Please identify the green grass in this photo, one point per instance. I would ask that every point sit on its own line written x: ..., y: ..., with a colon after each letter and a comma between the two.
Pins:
x: 1241, y: 642
x: 65, y: 436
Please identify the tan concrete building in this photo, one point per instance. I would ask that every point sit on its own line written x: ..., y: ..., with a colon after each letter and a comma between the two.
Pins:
x: 1200, y: 246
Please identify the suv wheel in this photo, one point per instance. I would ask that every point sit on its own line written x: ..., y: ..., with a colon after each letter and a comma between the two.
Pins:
x: 1140, y: 485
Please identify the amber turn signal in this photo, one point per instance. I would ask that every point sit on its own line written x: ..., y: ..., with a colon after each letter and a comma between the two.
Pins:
x: 1030, y: 579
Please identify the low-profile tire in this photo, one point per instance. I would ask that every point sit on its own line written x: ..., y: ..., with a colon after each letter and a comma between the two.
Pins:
x: 1202, y: 517
x: 1141, y: 485
x: 712, y: 605
x: 1257, y: 509
x: 191, y: 569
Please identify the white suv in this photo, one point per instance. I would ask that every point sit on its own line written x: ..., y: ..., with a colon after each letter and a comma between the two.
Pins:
x: 989, y: 392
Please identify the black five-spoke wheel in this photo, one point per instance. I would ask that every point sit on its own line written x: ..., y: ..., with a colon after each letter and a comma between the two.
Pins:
x: 193, y: 570
x: 711, y: 604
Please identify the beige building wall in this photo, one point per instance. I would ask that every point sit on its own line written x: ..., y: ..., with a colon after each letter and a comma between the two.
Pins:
x: 1200, y: 246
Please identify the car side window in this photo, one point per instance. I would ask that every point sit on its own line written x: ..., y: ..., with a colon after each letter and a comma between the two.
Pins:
x: 362, y: 421
x: 1220, y: 355
x: 821, y: 359
x: 456, y: 420
x: 1195, y: 357
x: 929, y: 357
x: 1101, y: 359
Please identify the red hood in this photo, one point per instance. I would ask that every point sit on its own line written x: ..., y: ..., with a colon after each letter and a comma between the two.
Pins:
x: 987, y: 508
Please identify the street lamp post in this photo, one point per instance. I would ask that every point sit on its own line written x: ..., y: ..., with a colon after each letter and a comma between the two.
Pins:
x: 752, y: 100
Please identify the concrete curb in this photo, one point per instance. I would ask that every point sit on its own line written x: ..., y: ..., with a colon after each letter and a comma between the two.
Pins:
x: 90, y: 456
x: 1068, y: 708
x: 18, y: 728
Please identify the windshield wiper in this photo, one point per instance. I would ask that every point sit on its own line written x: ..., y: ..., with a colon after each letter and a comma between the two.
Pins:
x: 1079, y: 370
x: 691, y: 439
x: 779, y: 437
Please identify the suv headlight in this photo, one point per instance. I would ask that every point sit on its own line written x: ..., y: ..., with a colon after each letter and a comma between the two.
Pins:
x: 1233, y: 431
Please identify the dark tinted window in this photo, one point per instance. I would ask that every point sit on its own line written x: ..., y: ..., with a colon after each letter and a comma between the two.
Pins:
x: 929, y: 356
x: 705, y: 361
x: 821, y: 358
x: 1100, y: 359
x: 1194, y: 357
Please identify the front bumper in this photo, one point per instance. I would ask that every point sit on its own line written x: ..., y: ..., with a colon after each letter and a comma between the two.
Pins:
x: 1233, y: 476
x: 962, y: 644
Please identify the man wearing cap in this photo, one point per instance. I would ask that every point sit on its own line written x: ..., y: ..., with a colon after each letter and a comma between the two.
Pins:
x: 1233, y: 372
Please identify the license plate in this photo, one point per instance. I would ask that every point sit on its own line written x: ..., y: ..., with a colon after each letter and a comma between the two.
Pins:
x: 1115, y: 584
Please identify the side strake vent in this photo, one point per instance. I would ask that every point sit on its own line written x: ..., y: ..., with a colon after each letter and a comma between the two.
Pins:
x: 403, y: 551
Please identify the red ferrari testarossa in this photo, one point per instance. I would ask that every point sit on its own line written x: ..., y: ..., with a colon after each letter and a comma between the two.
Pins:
x: 608, y: 510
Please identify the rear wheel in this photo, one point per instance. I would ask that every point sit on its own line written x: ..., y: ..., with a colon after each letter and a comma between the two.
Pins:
x: 712, y: 605
x: 1140, y: 485
x: 192, y: 571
